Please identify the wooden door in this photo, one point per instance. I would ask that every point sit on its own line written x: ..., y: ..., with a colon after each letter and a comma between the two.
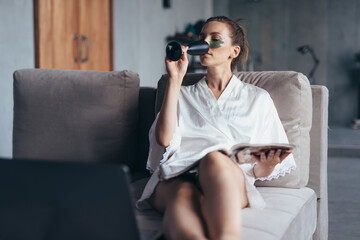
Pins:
x: 95, y: 25
x: 73, y: 34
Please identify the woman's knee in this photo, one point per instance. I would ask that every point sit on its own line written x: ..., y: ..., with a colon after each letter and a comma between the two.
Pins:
x: 217, y: 165
x: 216, y: 162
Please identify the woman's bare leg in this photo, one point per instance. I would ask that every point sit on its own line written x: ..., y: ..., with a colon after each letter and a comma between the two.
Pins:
x: 179, y: 200
x: 224, y: 195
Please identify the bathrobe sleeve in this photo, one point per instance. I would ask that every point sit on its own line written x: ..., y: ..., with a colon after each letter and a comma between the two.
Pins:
x: 157, y: 153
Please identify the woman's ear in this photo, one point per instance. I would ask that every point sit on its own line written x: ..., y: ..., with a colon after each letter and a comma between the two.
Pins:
x: 236, y: 51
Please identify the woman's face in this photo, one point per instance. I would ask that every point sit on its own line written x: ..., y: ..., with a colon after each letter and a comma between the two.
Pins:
x: 221, y: 51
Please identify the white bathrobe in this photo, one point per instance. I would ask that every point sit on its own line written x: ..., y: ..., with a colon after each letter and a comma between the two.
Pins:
x: 243, y: 113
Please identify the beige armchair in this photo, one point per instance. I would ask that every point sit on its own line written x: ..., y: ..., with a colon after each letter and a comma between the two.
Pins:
x: 297, y: 203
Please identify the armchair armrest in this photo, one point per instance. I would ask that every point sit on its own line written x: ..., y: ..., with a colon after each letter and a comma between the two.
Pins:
x: 318, y: 157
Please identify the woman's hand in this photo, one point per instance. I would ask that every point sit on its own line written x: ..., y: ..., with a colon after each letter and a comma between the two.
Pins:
x: 266, y: 163
x: 177, y: 69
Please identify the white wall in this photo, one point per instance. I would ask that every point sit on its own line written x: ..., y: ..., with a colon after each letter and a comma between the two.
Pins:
x: 16, y: 51
x: 276, y: 28
x: 141, y: 28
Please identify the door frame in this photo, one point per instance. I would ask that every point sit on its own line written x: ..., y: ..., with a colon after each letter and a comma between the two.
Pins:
x: 36, y: 33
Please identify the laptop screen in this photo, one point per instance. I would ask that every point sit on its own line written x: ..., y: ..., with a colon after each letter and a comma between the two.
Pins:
x: 63, y: 200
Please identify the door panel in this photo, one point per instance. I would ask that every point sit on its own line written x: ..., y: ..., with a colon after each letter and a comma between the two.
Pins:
x: 57, y: 25
x: 95, y: 26
x: 74, y: 34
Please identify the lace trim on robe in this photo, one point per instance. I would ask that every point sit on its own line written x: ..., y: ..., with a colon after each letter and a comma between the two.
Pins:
x: 280, y: 170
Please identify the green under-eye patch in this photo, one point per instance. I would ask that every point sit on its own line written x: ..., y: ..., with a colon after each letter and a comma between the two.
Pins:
x: 216, y: 43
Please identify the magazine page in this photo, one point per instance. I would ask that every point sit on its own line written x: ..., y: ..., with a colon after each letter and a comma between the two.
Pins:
x: 243, y: 152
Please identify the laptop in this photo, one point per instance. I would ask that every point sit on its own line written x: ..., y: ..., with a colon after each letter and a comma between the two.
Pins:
x: 65, y: 200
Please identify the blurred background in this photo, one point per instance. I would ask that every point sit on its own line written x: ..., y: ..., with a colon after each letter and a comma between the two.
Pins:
x: 320, y: 39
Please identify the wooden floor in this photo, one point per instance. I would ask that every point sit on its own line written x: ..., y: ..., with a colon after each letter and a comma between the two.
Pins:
x: 344, y: 184
x: 344, y: 198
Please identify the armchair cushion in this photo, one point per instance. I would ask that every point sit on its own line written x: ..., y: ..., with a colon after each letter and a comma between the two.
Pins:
x: 289, y: 214
x: 76, y: 115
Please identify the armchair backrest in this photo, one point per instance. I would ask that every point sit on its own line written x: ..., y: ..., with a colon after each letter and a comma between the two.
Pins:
x: 73, y: 115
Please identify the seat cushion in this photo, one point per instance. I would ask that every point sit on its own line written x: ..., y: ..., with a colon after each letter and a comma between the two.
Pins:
x: 149, y: 221
x: 292, y: 97
x: 289, y: 214
x: 74, y: 115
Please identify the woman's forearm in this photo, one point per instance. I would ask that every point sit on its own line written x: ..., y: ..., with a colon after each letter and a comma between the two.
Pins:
x: 166, y: 124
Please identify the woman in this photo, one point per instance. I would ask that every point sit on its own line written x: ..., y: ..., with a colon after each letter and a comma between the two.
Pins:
x: 193, y: 125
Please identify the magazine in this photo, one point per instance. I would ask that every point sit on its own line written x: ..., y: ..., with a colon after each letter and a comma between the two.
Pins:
x: 240, y: 153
